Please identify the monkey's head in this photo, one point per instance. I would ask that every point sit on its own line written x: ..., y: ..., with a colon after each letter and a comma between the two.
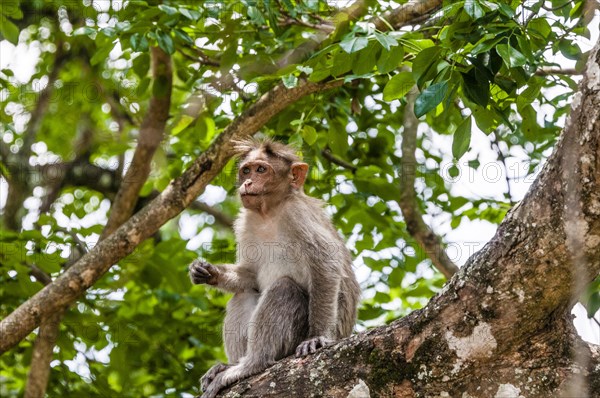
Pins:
x: 268, y: 173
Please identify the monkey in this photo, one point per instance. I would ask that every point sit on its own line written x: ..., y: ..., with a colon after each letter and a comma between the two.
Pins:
x: 294, y: 289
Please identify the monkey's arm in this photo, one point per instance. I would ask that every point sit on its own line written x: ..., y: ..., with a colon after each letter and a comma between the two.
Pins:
x: 228, y: 277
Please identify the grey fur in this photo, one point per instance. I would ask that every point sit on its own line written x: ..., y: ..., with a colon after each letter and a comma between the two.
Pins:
x: 294, y: 287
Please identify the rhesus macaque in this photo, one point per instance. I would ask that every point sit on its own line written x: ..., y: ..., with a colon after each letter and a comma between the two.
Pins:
x: 294, y: 287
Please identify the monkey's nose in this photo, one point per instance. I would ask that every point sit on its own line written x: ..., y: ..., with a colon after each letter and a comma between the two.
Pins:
x: 244, y: 187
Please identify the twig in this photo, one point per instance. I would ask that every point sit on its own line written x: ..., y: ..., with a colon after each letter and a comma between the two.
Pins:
x: 220, y: 217
x: 557, y: 71
x: 340, y: 162
x: 323, y: 26
x: 200, y: 57
x: 39, y: 274
x: 425, y: 237
x: 496, y: 146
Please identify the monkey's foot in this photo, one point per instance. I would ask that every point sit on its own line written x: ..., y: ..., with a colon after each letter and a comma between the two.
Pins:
x: 226, y: 377
x: 211, y: 374
x: 311, y: 345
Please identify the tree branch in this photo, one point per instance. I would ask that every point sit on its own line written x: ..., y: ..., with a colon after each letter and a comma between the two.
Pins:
x: 220, y: 217
x: 425, y: 237
x: 43, y: 349
x: 180, y: 193
x: 151, y: 134
x: 557, y: 71
x: 340, y: 162
x: 39, y: 274
x: 405, y: 14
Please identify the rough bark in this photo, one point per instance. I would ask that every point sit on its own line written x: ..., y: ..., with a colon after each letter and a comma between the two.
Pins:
x: 179, y: 194
x: 410, y: 12
x: 501, y: 327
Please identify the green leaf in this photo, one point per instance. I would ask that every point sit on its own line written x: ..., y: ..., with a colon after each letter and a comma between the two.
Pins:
x: 540, y: 26
x: 423, y: 68
x: 143, y: 86
x: 319, y: 74
x: 473, y: 9
x: 590, y: 298
x: 183, y: 36
x: 354, y: 44
x: 192, y: 14
x: 304, y: 69
x: 101, y: 54
x: 337, y: 138
x: 165, y: 42
x: 289, y: 81
x: 256, y: 16
x: 398, y: 86
x: 484, y: 118
x: 139, y: 42
x: 84, y: 31
x: 141, y: 64
x: 364, y: 62
x: 309, y: 134
x: 512, y: 57
x: 476, y: 87
x: 386, y: 40
x: 569, y: 49
x: 108, y: 31
x: 504, y: 9
x: 462, y: 138
x: 9, y: 30
x: 390, y: 60
x: 182, y: 123
x: 167, y: 9
x: 11, y: 9
x: 486, y: 44
x: 342, y: 63
x: 431, y: 97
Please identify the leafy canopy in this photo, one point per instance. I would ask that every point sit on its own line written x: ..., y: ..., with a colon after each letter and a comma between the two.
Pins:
x: 143, y: 330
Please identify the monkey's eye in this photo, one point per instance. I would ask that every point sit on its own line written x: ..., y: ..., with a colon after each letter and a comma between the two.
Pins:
x: 246, y: 170
x: 261, y: 169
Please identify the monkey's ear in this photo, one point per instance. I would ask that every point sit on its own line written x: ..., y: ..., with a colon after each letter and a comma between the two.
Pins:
x: 299, y: 171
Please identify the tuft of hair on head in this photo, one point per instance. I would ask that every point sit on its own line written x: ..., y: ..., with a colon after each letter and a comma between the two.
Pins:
x: 268, y: 146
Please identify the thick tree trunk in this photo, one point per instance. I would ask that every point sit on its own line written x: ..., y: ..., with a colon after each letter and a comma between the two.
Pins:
x: 501, y: 327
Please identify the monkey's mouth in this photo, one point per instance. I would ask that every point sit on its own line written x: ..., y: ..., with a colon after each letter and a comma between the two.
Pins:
x: 251, y: 194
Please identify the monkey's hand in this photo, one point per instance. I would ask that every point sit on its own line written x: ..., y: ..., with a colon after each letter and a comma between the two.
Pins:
x: 311, y: 345
x: 211, y: 374
x: 203, y: 272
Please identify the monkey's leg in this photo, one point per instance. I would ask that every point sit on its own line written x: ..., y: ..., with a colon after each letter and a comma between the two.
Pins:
x: 235, y: 333
x: 236, y: 324
x: 278, y: 325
